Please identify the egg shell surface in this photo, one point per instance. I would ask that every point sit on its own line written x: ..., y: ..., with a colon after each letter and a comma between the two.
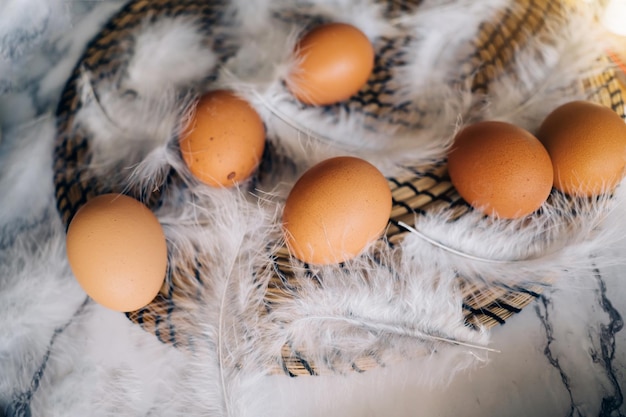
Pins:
x: 587, y: 144
x: 224, y: 141
x: 333, y: 62
x: 117, y: 251
x: 335, y: 210
x: 500, y: 169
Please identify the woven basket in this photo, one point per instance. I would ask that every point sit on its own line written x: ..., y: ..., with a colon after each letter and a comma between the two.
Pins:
x: 426, y: 189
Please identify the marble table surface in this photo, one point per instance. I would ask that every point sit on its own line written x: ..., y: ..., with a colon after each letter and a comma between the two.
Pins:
x: 563, y: 355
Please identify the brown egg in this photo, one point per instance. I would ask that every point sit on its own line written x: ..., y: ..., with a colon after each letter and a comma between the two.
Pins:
x: 587, y: 144
x: 500, y: 169
x: 335, y: 210
x: 224, y: 142
x: 117, y: 251
x: 333, y: 62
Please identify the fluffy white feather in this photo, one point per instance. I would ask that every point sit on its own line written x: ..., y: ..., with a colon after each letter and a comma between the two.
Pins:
x: 25, y: 195
x: 134, y: 129
x: 392, y: 303
x: 566, y: 237
x: 25, y: 26
x: 548, y: 72
x: 32, y: 249
x: 159, y: 59
x: 435, y: 105
x: 440, y: 34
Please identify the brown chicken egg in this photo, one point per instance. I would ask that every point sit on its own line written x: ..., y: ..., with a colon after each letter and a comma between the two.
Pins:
x: 224, y: 142
x: 333, y: 62
x: 335, y: 210
x: 500, y: 169
x: 587, y: 144
x: 117, y: 251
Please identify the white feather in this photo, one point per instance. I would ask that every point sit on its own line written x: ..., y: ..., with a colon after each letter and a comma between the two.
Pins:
x: 548, y: 73
x: 158, y: 59
x: 391, y: 303
x: 441, y: 34
x: 25, y: 195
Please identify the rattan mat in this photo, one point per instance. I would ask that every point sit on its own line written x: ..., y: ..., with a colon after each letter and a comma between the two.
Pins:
x: 426, y: 189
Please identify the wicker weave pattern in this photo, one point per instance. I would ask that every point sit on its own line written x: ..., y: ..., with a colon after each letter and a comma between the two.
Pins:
x: 425, y: 189
x: 104, y: 61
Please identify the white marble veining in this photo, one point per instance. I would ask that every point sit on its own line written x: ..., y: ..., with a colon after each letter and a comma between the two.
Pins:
x: 564, y: 355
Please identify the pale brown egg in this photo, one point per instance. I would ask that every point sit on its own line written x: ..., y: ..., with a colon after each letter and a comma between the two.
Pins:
x: 335, y: 210
x: 224, y: 142
x: 333, y: 62
x: 587, y: 144
x: 117, y: 251
x: 500, y: 169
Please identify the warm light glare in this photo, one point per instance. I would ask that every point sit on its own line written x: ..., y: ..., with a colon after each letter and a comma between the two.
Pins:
x: 614, y: 18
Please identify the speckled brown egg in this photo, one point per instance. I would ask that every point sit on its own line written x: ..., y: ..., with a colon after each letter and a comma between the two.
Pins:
x: 587, y: 144
x: 224, y: 142
x: 335, y: 210
x: 117, y: 251
x: 500, y: 169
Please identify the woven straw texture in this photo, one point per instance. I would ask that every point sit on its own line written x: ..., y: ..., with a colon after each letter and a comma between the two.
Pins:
x: 428, y: 188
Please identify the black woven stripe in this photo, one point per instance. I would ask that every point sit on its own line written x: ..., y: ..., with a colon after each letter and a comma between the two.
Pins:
x: 305, y: 364
x: 460, y: 203
x: 483, y: 312
x: 468, y: 308
x: 116, y: 41
x: 106, y: 61
x: 140, y: 319
x: 356, y: 368
x: 527, y: 291
x: 513, y: 34
x: 396, y: 122
x: 396, y: 54
x: 442, y: 197
x: 368, y: 98
x: 506, y: 41
x: 395, y: 223
x: 408, y: 208
x: 374, y: 355
x: 407, y: 184
x: 72, y: 153
x: 196, y: 273
x: 614, y: 93
x: 469, y: 324
x: 619, y: 107
x: 427, y: 174
x: 395, y: 181
x: 157, y: 324
x: 504, y: 305
x: 287, y: 371
x: 388, y: 47
x: 170, y: 309
x: 395, y: 8
x: 599, y: 89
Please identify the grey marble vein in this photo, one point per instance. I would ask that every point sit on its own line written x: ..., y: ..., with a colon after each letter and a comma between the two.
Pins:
x: 611, y: 404
x: 542, y: 309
